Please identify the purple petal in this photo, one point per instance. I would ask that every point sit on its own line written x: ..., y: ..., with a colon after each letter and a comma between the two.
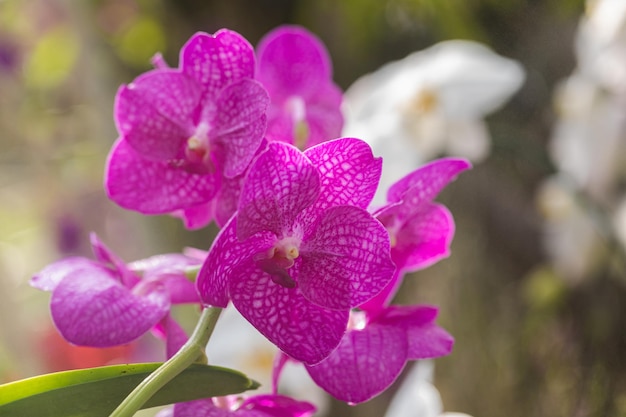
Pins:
x: 424, y: 238
x: 281, y: 183
x: 215, y: 61
x: 155, y: 113
x: 347, y: 260
x: 292, y: 61
x: 48, y: 278
x: 302, y: 330
x: 377, y: 304
x: 200, y: 408
x: 175, y: 336
x: 349, y: 172
x: 154, y: 187
x: 226, y: 252
x: 179, y: 288
x: 240, y: 123
x: 323, y: 115
x: 427, y: 181
x: 228, y: 199
x: 425, y: 338
x: 276, y: 406
x: 165, y: 263
x: 95, y: 309
x: 196, y: 217
x: 107, y: 257
x: 365, y: 363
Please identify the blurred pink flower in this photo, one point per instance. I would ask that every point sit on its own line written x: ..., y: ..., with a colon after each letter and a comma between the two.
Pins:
x: 296, y: 70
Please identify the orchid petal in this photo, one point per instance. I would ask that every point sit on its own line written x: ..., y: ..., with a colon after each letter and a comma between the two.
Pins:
x: 215, y: 61
x: 323, y: 116
x: 377, y: 304
x: 226, y: 252
x: 200, y: 408
x: 347, y: 260
x: 275, y: 406
x: 155, y: 113
x: 365, y: 363
x: 107, y: 257
x: 349, y: 172
x: 154, y: 187
x: 302, y: 330
x: 427, y: 181
x: 48, y: 278
x: 292, y: 61
x: 228, y: 199
x: 95, y: 309
x: 425, y: 338
x: 196, y: 217
x: 281, y: 183
x: 240, y: 123
x: 424, y: 238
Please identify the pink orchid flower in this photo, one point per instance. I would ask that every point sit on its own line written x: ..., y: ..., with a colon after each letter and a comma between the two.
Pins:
x: 375, y: 349
x: 184, y: 131
x: 420, y: 231
x: 296, y: 70
x: 302, y: 250
x: 104, y: 302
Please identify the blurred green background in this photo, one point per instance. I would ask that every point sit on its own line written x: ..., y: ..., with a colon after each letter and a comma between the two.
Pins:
x: 528, y: 343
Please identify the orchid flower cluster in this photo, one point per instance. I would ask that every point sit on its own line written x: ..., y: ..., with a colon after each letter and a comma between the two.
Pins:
x: 251, y: 140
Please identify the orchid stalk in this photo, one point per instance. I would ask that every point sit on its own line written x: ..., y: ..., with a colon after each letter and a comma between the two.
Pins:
x: 190, y: 352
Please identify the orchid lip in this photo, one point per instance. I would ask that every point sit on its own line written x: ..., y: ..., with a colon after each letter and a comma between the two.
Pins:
x: 279, y: 258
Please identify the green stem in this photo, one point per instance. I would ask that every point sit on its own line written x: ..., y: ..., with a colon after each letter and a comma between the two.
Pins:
x: 187, y: 355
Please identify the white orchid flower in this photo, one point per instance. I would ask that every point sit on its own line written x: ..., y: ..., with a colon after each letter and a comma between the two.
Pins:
x: 601, y: 44
x: 417, y: 396
x: 430, y: 103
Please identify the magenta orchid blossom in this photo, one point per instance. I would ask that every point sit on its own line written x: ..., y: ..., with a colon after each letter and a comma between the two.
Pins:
x: 184, y: 131
x: 104, y: 302
x: 420, y: 231
x: 375, y: 349
x: 302, y: 250
x: 295, y: 68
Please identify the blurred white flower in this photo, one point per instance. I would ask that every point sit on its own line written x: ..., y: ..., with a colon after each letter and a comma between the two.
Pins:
x: 417, y: 397
x: 430, y: 103
x: 570, y: 236
x: 600, y: 43
x: 236, y: 344
x: 588, y: 138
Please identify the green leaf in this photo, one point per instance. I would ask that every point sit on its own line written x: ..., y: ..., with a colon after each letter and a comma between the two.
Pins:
x: 97, y: 392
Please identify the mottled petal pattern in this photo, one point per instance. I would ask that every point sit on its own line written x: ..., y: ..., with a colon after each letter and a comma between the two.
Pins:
x: 349, y: 172
x: 346, y: 261
x: 93, y: 309
x: 198, y: 216
x: 365, y: 363
x: 424, y: 238
x: 48, y: 278
x: 425, y: 338
x: 240, y: 123
x: 225, y: 254
x: 281, y: 183
x: 154, y: 113
x: 215, y: 61
x: 302, y: 330
x: 153, y: 187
